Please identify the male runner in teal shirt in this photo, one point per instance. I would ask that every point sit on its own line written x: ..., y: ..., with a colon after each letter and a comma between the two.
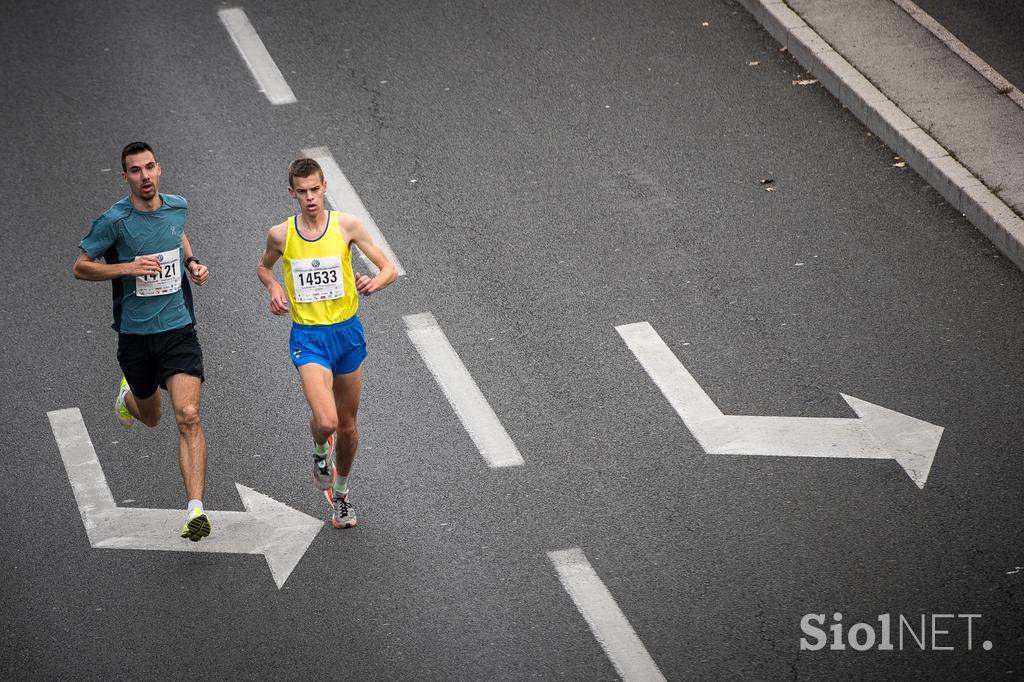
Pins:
x: 142, y: 240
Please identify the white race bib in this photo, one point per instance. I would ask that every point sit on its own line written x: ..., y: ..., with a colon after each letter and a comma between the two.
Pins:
x: 167, y: 281
x: 317, y: 279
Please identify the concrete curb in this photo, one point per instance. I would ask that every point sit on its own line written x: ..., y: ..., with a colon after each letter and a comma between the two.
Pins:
x: 957, y: 184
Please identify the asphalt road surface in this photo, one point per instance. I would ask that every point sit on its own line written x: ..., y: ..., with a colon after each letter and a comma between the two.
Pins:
x: 545, y: 172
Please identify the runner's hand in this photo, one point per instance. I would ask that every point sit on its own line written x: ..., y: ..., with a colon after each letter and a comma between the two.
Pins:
x: 142, y: 266
x: 197, y: 272
x: 365, y: 285
x: 278, y: 300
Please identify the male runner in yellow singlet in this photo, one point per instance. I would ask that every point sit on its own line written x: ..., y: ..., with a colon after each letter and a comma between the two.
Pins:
x: 326, y: 343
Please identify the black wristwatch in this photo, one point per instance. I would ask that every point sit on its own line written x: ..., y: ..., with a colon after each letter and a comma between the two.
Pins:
x: 190, y: 260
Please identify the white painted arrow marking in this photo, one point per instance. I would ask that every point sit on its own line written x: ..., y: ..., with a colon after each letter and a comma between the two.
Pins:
x: 267, y: 527
x: 877, y: 433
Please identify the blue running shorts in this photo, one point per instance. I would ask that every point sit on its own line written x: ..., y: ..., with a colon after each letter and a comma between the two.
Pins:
x: 339, y: 347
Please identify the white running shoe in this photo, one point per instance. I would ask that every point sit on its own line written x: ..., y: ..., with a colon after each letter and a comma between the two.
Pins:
x: 343, y: 514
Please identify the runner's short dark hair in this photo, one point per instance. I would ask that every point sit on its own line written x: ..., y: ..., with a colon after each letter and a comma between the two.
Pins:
x: 135, y: 148
x: 303, y: 168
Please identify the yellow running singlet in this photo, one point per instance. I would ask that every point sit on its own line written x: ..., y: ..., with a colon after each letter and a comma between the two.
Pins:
x: 318, y: 275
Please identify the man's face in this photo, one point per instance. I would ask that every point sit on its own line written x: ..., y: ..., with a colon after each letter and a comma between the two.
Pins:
x: 142, y: 173
x: 309, y: 192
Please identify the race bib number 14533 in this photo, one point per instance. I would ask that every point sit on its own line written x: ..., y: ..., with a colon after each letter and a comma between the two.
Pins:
x: 317, y: 279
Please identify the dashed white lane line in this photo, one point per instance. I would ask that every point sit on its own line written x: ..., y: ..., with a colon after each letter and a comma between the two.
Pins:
x: 260, y: 63
x: 465, y: 397
x: 343, y: 197
x: 606, y: 620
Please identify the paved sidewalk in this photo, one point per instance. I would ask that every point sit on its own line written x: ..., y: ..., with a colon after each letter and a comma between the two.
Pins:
x: 958, y: 130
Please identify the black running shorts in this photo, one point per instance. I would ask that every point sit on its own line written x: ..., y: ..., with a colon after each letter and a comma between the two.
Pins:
x: 148, y: 359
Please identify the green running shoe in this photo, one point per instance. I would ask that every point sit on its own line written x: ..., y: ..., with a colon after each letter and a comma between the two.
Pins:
x: 120, y: 409
x: 197, y: 526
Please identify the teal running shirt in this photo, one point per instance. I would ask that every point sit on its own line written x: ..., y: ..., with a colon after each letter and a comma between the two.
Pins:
x: 152, y: 304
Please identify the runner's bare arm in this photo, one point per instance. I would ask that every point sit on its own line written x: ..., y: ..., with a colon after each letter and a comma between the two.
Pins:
x: 357, y: 234
x: 91, y: 270
x: 197, y: 272
x: 265, y: 269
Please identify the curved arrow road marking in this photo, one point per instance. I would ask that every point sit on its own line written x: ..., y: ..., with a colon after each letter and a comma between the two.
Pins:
x: 877, y: 433
x: 267, y: 527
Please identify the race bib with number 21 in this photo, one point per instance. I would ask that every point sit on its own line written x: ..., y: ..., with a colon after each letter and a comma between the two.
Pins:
x: 167, y: 281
